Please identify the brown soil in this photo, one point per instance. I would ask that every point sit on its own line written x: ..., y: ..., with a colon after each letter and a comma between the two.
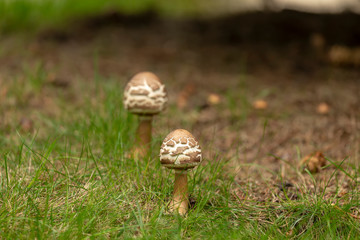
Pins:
x: 281, y: 58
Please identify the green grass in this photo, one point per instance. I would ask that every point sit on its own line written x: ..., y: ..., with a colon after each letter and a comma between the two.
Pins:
x: 71, y: 178
x: 36, y: 15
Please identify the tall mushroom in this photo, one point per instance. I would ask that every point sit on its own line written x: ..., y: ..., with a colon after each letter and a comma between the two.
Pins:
x: 180, y: 151
x: 145, y: 96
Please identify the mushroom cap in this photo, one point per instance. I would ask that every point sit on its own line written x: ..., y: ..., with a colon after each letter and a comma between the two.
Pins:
x: 145, y: 94
x: 180, y: 150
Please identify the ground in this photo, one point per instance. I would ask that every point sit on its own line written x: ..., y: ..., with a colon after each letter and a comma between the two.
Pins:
x: 49, y: 77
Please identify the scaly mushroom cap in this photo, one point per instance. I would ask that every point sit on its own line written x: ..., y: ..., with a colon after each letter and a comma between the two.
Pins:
x: 145, y: 94
x: 180, y: 150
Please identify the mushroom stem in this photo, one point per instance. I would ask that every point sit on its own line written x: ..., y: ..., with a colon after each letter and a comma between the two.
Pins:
x: 143, y: 135
x: 181, y: 196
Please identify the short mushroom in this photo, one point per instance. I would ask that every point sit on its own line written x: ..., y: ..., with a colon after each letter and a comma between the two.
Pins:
x: 180, y: 151
x: 145, y: 96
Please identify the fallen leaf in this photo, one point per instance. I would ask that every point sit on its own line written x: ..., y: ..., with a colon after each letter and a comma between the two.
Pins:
x: 213, y: 99
x: 343, y: 55
x: 313, y: 162
x: 339, y: 55
x: 323, y: 108
x: 260, y: 104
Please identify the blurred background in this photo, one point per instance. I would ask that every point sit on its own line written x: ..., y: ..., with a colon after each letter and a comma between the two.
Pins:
x: 40, y: 13
x: 231, y: 67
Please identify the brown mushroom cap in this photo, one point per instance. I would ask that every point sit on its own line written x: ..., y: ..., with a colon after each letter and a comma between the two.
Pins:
x: 180, y: 150
x: 145, y: 94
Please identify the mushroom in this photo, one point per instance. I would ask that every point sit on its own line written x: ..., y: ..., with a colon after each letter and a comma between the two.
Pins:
x: 180, y: 151
x: 145, y: 96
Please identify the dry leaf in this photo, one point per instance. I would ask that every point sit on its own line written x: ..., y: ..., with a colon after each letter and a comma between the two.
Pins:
x: 340, y: 55
x: 323, y: 108
x: 313, y: 162
x: 213, y: 99
x: 260, y: 104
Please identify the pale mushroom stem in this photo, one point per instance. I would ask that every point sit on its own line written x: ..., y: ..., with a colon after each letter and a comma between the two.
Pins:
x: 181, y: 196
x: 143, y: 135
